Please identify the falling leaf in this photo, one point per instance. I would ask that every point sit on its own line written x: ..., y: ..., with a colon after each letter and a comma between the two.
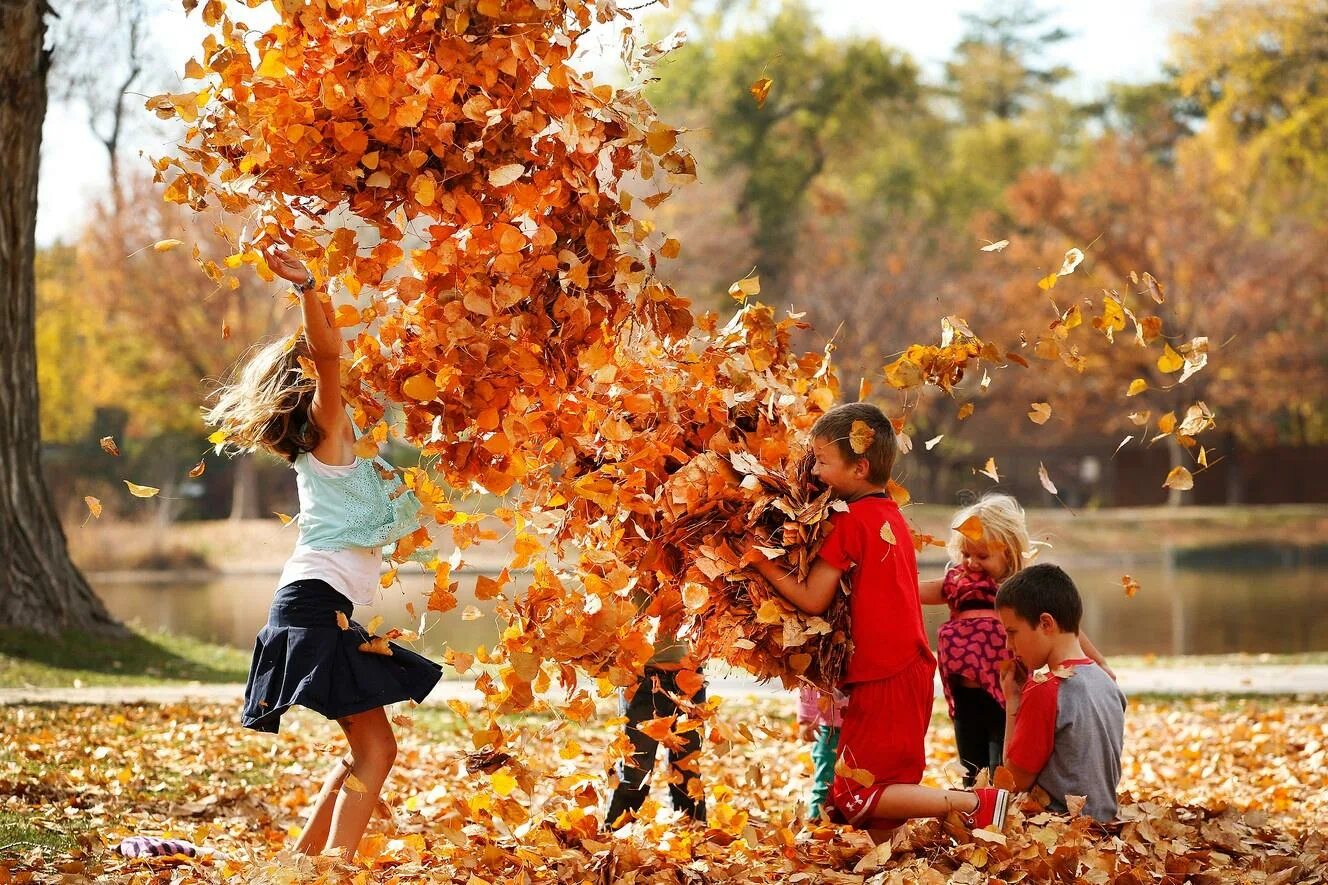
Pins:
x: 887, y: 533
x: 139, y: 491
x: 1169, y: 361
x: 971, y: 528
x: 859, y: 775
x: 1155, y: 288
x: 273, y: 65
x: 1203, y: 457
x: 1048, y: 282
x: 377, y: 646
x: 1045, y: 479
x: 197, y: 470
x: 505, y: 175
x: 94, y: 506
x: 931, y: 443
x: 471, y: 613
x: 745, y: 288
x: 285, y: 518
x: 897, y: 492
x: 996, y: 246
x: 1038, y: 413
x: 760, y: 90
x: 1131, y: 586
x: 502, y: 782
x: 860, y: 437
x: 342, y: 621
x: 354, y: 784
x: 1072, y: 259
x: 1122, y: 444
x: 166, y: 245
x: 1137, y: 386
x: 989, y: 469
x: 964, y: 411
x: 1180, y: 479
x: 108, y: 445
x: 374, y: 623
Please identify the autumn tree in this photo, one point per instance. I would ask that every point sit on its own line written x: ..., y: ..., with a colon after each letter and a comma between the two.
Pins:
x: 42, y: 589
x: 827, y: 97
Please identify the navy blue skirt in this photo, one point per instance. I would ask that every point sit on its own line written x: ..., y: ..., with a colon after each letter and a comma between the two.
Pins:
x: 302, y: 657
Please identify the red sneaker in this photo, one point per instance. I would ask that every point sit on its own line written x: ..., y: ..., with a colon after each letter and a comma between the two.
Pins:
x: 990, y: 813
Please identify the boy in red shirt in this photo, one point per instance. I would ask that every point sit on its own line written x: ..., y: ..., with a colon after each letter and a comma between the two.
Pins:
x: 891, y: 671
x: 1064, y: 730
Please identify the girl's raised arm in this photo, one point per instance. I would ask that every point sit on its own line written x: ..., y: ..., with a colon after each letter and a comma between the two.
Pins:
x: 328, y: 410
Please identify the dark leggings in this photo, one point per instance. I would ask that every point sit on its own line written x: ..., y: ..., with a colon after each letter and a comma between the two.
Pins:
x: 979, y: 724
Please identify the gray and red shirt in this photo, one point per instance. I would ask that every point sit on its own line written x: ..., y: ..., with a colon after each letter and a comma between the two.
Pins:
x: 1069, y: 730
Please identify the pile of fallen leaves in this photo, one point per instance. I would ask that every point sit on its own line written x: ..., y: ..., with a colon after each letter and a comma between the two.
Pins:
x: 1213, y: 792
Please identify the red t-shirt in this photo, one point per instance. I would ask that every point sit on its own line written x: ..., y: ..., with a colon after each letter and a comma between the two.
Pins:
x: 885, y: 613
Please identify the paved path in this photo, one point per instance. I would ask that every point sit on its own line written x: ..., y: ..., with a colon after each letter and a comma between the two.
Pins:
x: 1251, y: 679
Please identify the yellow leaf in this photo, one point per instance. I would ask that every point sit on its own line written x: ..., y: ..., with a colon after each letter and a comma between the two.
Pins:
x: 420, y: 387
x: 342, y: 621
x: 94, y: 506
x: 1038, y: 413
x: 971, y: 528
x: 274, y: 65
x: 1169, y: 361
x: 745, y: 288
x: 286, y: 519
x: 217, y: 437
x: 1179, y: 478
x: 887, y: 533
x: 897, y: 493
x: 770, y: 612
x: 502, y: 782
x: 365, y: 447
x: 1048, y: 282
x: 374, y: 624
x: 989, y: 469
x: 354, y: 784
x: 166, y: 245
x: 860, y: 775
x: 760, y: 90
x: 861, y: 437
x: 1137, y: 386
x: 1131, y: 586
x: 139, y: 491
x: 1167, y: 423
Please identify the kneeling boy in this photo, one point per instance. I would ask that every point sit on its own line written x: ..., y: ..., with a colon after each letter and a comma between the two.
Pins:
x: 1064, y: 730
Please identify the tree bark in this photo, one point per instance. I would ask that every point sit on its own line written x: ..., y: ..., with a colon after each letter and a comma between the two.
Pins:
x: 244, y: 489
x: 40, y: 588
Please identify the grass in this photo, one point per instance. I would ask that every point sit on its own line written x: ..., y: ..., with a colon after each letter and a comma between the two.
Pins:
x: 29, y: 659
x: 19, y: 834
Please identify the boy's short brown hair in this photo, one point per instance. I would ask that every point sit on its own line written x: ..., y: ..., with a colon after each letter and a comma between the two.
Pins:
x: 1043, y: 589
x: 836, y: 426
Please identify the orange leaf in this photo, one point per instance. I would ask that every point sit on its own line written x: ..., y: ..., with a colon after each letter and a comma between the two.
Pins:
x: 971, y: 528
x: 1131, y: 586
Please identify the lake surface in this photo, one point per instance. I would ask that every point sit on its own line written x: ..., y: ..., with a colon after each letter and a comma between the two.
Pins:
x: 1179, y: 610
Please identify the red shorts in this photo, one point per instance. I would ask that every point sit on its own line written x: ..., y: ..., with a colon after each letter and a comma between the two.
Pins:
x: 885, y: 732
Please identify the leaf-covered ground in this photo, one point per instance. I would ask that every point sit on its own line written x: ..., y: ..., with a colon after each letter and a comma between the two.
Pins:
x: 1217, y: 792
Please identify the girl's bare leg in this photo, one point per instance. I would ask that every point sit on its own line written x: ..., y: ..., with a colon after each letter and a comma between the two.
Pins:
x: 373, y: 749
x: 313, y: 838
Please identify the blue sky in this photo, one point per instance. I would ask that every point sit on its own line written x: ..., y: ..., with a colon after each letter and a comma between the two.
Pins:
x: 1124, y: 40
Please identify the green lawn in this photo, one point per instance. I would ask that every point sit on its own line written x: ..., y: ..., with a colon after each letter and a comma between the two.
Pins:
x: 29, y: 659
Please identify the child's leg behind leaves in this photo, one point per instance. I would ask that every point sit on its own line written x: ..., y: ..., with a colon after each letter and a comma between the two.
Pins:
x: 685, y: 791
x: 645, y: 704
x: 373, y: 750
x: 824, y: 751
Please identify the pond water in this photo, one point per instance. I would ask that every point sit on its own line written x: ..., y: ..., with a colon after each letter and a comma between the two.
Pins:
x: 1181, y: 609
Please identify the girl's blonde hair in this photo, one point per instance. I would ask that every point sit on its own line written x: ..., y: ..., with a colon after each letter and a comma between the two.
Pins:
x: 1003, y: 523
x: 266, y: 401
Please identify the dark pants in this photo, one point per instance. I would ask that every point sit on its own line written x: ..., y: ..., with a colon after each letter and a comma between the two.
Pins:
x: 646, y: 703
x: 979, y: 724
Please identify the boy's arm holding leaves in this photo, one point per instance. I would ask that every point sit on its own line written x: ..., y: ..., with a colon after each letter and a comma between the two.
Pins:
x: 813, y: 595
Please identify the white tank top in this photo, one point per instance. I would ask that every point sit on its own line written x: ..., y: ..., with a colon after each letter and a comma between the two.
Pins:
x: 353, y: 572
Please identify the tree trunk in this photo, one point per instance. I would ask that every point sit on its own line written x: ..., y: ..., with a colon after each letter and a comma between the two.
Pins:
x: 40, y: 589
x: 244, y: 489
x: 1176, y: 497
